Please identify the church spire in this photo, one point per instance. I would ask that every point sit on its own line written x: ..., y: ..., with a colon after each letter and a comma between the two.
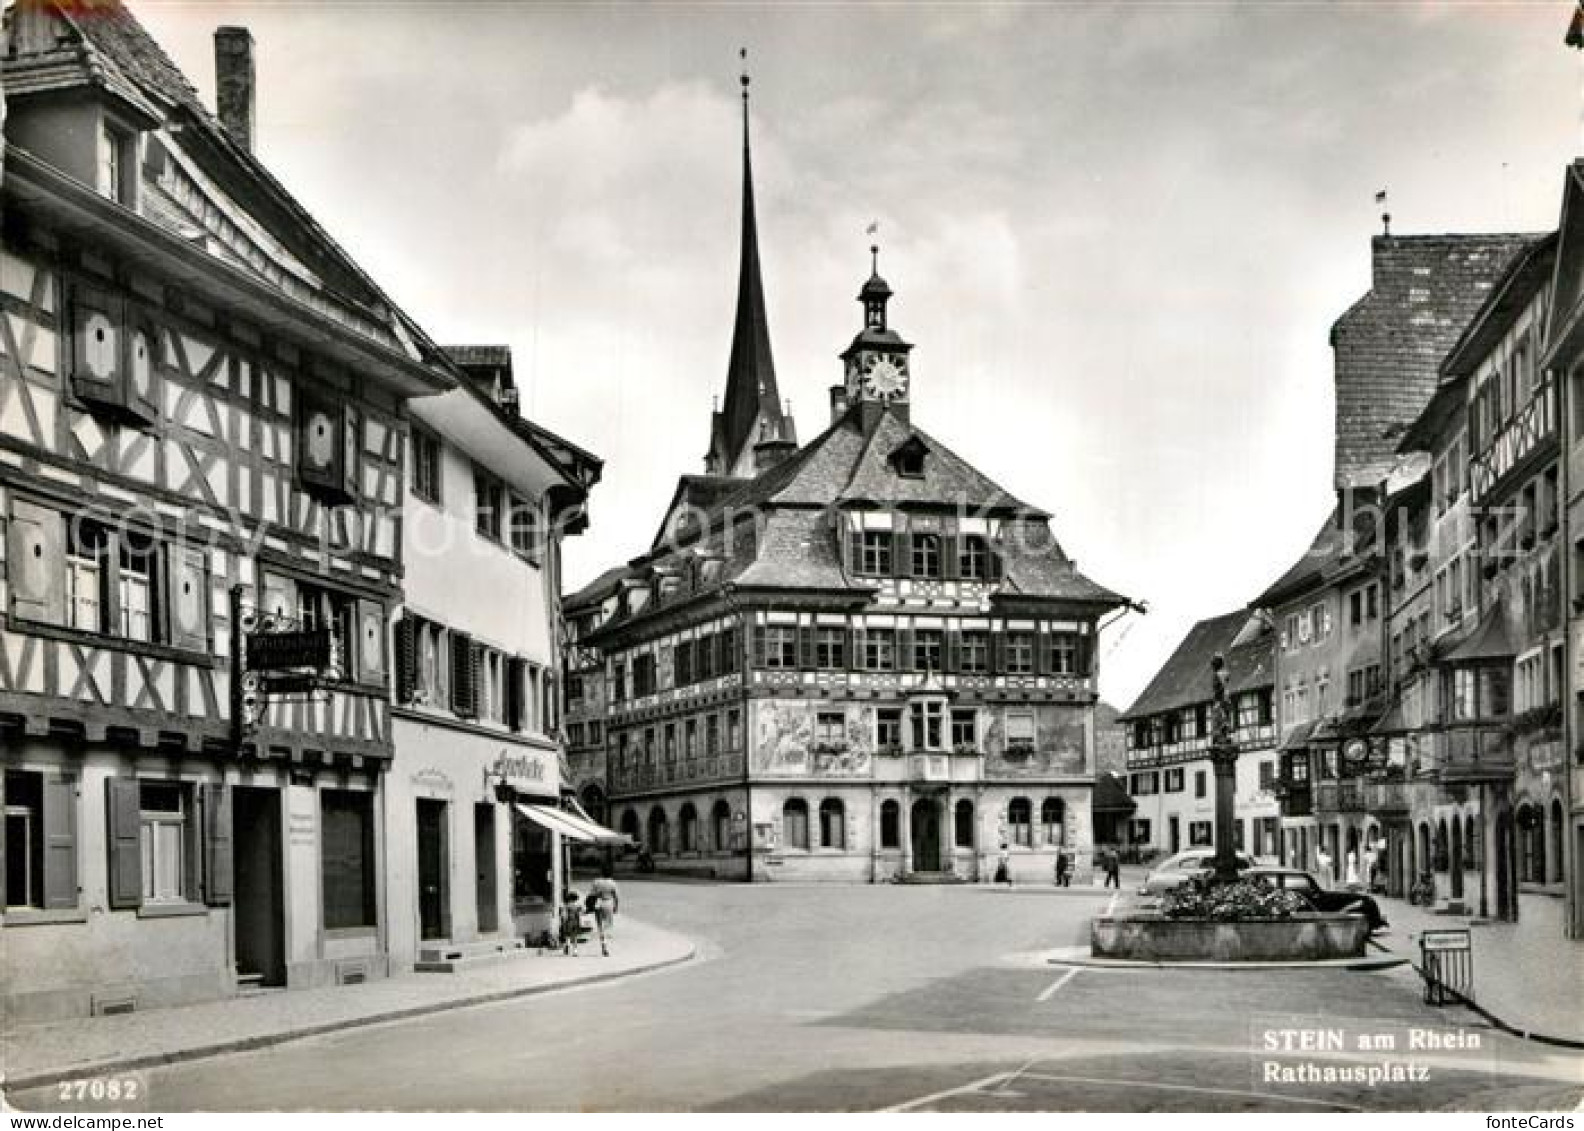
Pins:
x: 752, y: 415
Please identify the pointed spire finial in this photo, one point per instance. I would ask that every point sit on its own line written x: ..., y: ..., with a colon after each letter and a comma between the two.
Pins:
x: 1380, y: 199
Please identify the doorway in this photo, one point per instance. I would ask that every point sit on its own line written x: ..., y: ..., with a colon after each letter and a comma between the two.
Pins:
x: 925, y: 820
x: 433, y: 920
x: 259, y: 889
x: 484, y: 867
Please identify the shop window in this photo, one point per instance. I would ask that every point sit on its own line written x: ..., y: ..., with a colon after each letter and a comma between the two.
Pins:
x: 795, y: 823
x: 833, y: 823
x: 1020, y: 815
x: 346, y: 838
x: 1053, y: 820
x: 890, y: 824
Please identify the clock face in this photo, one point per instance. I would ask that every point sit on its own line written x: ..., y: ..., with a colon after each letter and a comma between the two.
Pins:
x: 885, y: 379
x: 1356, y: 750
x: 321, y: 439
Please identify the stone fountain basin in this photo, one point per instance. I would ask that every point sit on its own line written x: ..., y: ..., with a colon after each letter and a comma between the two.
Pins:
x: 1145, y: 936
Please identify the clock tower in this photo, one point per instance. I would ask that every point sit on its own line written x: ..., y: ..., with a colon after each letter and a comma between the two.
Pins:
x: 876, y: 371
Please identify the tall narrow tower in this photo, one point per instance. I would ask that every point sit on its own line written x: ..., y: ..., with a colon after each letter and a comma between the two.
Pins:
x: 751, y: 431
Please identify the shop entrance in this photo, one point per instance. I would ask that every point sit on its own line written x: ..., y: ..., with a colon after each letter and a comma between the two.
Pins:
x: 433, y: 920
x: 484, y: 867
x: 926, y: 835
x: 259, y: 894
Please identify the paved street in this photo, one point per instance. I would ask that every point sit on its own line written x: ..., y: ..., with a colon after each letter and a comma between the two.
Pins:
x: 839, y: 998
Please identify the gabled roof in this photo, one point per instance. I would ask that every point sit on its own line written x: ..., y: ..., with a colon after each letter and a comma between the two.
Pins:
x: 1331, y: 555
x: 947, y: 477
x: 1390, y: 344
x: 595, y: 591
x: 1186, y: 680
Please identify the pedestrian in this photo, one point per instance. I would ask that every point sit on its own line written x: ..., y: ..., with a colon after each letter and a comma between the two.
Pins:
x: 606, y: 901
x: 1003, y: 872
x: 1063, y: 869
x: 1352, y: 868
x: 571, y: 922
x: 1323, y: 866
x: 1113, y: 867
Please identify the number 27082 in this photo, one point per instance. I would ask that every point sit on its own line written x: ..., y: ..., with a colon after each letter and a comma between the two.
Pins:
x: 115, y: 1089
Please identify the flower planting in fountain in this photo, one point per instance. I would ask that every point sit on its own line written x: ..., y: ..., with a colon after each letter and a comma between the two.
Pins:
x: 1231, y: 903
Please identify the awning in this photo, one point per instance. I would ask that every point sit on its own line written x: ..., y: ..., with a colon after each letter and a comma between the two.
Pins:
x: 1111, y: 796
x: 1488, y: 643
x: 570, y: 825
x: 1298, y: 737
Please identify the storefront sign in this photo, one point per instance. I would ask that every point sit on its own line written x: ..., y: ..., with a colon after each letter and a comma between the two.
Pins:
x: 520, y: 771
x: 284, y: 651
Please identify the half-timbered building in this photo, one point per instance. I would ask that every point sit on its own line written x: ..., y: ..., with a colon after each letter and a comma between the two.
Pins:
x: 202, y: 446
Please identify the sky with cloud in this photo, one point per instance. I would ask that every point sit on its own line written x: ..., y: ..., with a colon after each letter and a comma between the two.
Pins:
x: 1118, y: 234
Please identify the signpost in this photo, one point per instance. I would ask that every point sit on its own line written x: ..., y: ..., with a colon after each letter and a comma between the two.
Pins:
x: 1446, y: 960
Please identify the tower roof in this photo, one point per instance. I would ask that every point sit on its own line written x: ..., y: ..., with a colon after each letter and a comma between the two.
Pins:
x: 752, y: 408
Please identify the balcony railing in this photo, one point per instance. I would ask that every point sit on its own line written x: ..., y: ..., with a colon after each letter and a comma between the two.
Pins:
x: 1346, y: 796
x: 1386, y: 797
x: 1532, y: 424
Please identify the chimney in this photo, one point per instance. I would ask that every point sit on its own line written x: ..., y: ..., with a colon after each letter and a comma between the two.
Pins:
x: 838, y: 402
x: 234, y: 87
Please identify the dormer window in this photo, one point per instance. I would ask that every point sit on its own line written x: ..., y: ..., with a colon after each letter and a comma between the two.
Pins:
x: 116, y: 176
x: 908, y: 458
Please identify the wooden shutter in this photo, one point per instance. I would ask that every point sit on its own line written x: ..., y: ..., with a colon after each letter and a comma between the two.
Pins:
x: 951, y: 567
x: 855, y: 551
x: 998, y: 653
x: 98, y: 364
x: 60, y: 842
x: 187, y: 597
x: 321, y: 446
x: 142, y: 371
x: 994, y: 563
x: 36, y: 563
x: 516, y: 681
x: 952, y: 651
x: 1042, y: 652
x: 406, y: 633
x: 904, y: 649
x: 1083, y: 647
x: 464, y: 675
x: 758, y: 631
x: 123, y: 833
x: 218, y: 868
x: 371, y: 641
x: 902, y: 553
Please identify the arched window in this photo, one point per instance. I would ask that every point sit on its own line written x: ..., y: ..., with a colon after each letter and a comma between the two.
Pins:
x: 1471, y: 845
x: 659, y: 832
x: 833, y: 823
x: 890, y: 824
x: 795, y: 823
x: 720, y: 826
x: 1531, y: 844
x: 963, y: 824
x: 1053, y: 818
x: 687, y: 820
x: 629, y: 824
x: 1020, y: 815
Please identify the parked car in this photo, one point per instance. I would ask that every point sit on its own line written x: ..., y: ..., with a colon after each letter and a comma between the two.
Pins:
x: 1321, y: 899
x: 1182, y: 867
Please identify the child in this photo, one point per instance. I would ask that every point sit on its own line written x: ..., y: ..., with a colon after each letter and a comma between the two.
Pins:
x: 571, y: 922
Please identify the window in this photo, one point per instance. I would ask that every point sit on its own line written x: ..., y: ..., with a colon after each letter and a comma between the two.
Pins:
x: 670, y: 743
x: 618, y: 681
x: 830, y: 730
x: 928, y: 649
x: 711, y: 735
x: 1064, y: 654
x: 795, y: 823
x: 1174, y: 780
x: 973, y: 559
x: 1267, y: 776
x: 833, y: 824
x: 87, y: 560
x: 1020, y: 732
x: 963, y: 823
x: 890, y: 824
x: 926, y: 555
x: 927, y: 717
x: 720, y: 830
x: 682, y: 664
x: 780, y: 646
x: 643, y: 675
x: 164, y: 836
x: 734, y: 729
x: 24, y: 839
x: 1200, y: 833
x: 879, y: 649
x: 1019, y: 653
x: 1053, y: 820
x: 1200, y: 783
x: 426, y: 465
x: 974, y: 656
x: 1020, y: 821
x: 488, y: 503
x: 525, y: 540
x: 965, y: 730
x: 117, y: 165
x: 874, y: 556
x: 687, y: 824
x: 888, y: 728
x: 830, y: 648
x: 1356, y: 608
x: 347, y: 857
x: 690, y: 733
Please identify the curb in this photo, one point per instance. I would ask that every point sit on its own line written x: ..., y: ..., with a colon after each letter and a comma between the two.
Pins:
x: 265, y: 1040
x: 1505, y: 1026
x: 1325, y: 964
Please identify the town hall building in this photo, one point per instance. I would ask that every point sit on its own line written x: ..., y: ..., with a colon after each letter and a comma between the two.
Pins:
x: 859, y: 659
